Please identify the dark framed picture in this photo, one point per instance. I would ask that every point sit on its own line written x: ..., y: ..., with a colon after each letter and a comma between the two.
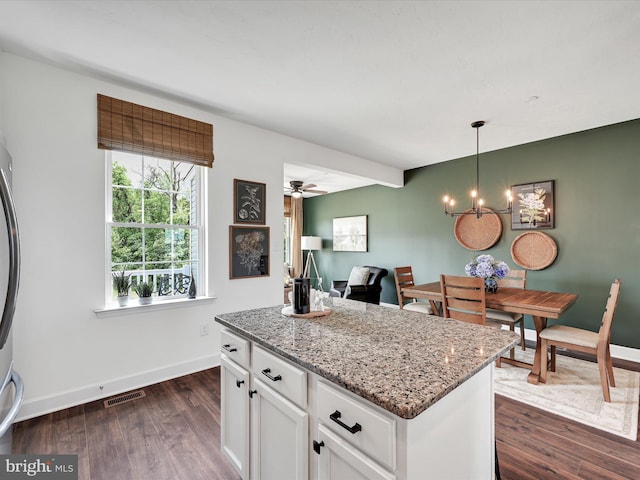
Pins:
x: 249, y: 202
x: 533, y: 207
x: 248, y: 252
x: 350, y: 234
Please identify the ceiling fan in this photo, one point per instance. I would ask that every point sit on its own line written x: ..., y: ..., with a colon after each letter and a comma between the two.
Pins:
x: 298, y: 187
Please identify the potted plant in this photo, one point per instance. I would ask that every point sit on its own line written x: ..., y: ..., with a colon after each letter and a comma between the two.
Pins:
x: 144, y: 291
x: 122, y: 283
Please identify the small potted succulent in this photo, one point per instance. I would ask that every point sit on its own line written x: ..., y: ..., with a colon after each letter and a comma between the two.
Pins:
x: 144, y: 291
x: 122, y: 283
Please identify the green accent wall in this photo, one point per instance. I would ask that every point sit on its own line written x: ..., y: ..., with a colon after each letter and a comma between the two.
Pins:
x: 597, y: 222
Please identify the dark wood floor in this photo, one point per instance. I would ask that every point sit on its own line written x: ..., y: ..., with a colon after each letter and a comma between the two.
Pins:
x: 174, y: 433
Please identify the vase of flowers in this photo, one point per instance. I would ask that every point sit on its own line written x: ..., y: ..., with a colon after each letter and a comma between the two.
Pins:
x: 485, y: 266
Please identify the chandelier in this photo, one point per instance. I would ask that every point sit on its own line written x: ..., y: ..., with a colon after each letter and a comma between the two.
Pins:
x: 477, y: 203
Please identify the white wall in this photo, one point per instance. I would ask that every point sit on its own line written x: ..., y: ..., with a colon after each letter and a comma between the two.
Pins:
x: 63, y: 351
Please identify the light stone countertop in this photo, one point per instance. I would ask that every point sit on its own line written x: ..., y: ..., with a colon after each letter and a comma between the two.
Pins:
x: 402, y: 361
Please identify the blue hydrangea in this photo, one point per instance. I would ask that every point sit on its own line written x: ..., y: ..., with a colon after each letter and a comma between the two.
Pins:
x: 502, y: 269
x: 485, y: 259
x: 470, y: 269
x: 485, y: 266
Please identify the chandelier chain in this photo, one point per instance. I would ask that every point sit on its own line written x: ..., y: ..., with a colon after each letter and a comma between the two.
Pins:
x: 476, y: 201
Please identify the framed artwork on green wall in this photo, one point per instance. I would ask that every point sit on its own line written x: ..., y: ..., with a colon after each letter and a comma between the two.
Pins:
x: 350, y: 234
x: 533, y: 207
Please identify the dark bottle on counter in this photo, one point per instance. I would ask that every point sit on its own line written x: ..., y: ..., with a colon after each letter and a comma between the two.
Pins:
x: 301, y: 295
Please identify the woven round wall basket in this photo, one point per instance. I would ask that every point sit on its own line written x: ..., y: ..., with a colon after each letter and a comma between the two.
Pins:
x: 478, y: 233
x: 534, y: 250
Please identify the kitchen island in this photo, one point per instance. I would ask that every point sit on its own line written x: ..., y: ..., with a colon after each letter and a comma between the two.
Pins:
x: 375, y: 392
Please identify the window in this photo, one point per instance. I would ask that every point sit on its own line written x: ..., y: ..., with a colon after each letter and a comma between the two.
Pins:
x: 287, y: 240
x: 287, y: 226
x: 155, y: 224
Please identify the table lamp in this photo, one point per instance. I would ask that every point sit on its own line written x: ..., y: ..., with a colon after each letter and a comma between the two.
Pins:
x: 311, y: 244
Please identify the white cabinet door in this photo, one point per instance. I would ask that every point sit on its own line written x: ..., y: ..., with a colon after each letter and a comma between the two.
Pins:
x: 279, y: 436
x: 234, y: 432
x: 339, y: 460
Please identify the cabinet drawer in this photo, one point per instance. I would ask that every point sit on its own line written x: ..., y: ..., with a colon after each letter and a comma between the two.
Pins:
x: 371, y: 431
x: 235, y: 347
x: 280, y: 375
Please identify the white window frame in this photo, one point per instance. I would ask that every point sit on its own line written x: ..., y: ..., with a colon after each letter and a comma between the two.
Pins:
x: 287, y: 249
x: 201, y: 228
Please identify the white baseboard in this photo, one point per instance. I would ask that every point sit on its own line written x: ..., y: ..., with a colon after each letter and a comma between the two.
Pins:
x: 44, y: 405
x: 389, y: 305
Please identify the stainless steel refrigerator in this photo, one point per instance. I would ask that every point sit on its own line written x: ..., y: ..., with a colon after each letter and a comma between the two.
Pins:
x: 11, y: 388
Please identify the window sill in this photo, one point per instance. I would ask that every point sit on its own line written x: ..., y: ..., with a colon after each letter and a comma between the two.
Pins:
x: 135, y: 307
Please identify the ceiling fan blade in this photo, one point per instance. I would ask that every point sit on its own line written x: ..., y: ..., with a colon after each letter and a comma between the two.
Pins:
x: 321, y: 192
x: 310, y: 185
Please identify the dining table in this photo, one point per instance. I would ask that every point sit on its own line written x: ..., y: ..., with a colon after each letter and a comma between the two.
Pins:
x: 540, y: 304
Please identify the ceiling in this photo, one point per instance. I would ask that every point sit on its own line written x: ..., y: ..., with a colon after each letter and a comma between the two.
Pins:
x: 394, y: 82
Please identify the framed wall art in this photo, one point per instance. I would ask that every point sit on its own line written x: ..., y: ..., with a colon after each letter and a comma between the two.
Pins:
x: 249, y: 202
x: 248, y: 252
x: 533, y: 207
x: 350, y: 234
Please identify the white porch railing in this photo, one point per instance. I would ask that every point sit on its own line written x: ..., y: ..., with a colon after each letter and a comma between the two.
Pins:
x: 166, y: 282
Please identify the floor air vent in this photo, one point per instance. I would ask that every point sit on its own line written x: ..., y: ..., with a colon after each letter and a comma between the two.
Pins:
x: 127, y: 397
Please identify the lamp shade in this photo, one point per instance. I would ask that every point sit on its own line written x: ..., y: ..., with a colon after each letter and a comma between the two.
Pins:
x: 311, y: 243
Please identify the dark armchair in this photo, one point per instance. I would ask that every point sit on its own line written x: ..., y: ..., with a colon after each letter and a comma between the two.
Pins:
x: 368, y: 292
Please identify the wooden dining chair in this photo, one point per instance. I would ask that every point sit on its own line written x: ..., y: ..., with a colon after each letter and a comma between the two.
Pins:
x: 514, y: 279
x: 586, y: 341
x: 463, y: 298
x: 404, y: 278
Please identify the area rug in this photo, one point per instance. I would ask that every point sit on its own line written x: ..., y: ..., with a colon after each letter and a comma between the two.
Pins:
x: 574, y: 392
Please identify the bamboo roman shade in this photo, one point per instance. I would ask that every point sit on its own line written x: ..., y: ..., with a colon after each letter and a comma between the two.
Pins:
x: 128, y: 127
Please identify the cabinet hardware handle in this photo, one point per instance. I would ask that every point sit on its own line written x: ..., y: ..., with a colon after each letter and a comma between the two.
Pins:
x: 252, y: 392
x: 229, y: 348
x: 316, y: 446
x: 267, y: 373
x: 336, y: 415
x: 239, y: 382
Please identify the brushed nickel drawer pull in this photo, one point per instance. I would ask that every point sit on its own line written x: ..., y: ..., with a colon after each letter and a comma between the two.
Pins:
x: 229, y: 348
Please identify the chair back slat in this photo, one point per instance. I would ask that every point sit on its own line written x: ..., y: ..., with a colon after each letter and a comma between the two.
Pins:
x: 465, y: 292
x: 514, y: 279
x: 463, y: 298
x: 404, y: 278
x: 466, y: 317
x: 609, y: 312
